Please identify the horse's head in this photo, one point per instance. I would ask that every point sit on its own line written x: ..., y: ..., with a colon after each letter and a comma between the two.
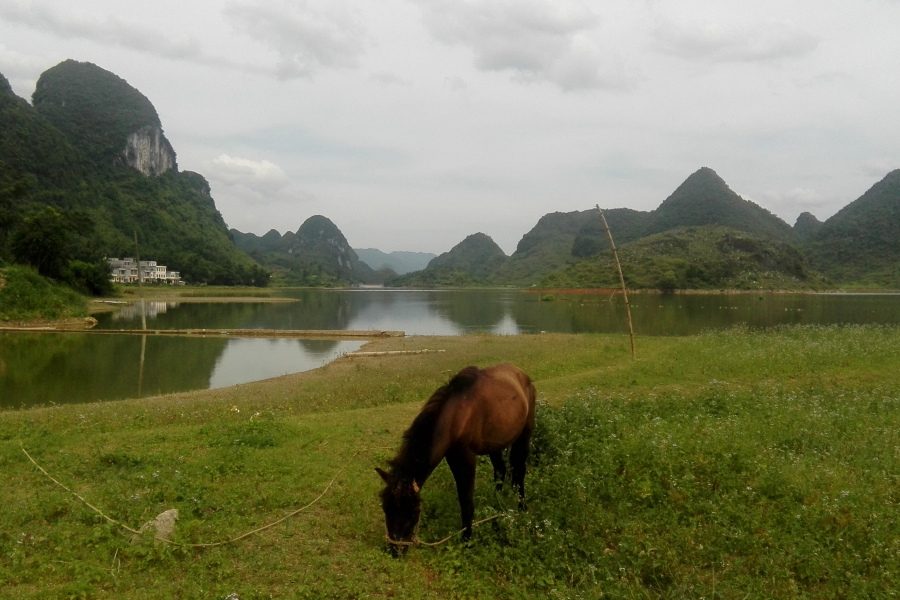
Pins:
x: 402, y: 506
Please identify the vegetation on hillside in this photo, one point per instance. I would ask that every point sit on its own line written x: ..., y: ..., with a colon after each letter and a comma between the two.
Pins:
x: 26, y: 296
x: 861, y: 242
x: 705, y: 199
x: 694, y: 258
x: 94, y: 109
x: 318, y: 254
x: 66, y: 154
x: 734, y: 464
x: 806, y: 226
x: 478, y: 255
x: 628, y: 225
x: 562, y: 239
x: 437, y: 277
x: 544, y: 249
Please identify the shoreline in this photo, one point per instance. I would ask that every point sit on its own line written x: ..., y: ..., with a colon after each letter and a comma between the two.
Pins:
x: 610, y: 291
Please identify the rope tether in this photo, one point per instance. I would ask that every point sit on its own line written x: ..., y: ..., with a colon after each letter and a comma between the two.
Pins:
x: 417, y: 541
x: 210, y: 545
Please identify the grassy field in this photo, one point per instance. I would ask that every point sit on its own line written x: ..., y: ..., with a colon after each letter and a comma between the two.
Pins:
x: 735, y: 464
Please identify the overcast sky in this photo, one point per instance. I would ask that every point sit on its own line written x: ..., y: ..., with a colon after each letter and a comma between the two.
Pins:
x: 412, y: 124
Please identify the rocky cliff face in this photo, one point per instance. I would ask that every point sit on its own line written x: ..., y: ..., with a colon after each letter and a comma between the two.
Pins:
x: 320, y: 236
x: 148, y: 151
x: 107, y: 120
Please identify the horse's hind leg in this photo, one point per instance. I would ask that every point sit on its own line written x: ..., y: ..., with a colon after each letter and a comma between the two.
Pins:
x: 462, y: 465
x: 517, y: 457
x: 499, y: 468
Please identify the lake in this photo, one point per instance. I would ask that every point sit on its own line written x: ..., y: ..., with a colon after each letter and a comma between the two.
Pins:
x: 46, y: 368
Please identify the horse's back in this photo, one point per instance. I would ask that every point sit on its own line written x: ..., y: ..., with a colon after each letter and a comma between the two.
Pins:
x: 496, y: 409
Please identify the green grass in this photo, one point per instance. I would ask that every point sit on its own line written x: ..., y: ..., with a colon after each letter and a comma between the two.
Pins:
x: 735, y: 464
x: 25, y: 296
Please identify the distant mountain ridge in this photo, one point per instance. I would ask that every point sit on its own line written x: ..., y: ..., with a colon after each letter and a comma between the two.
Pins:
x: 401, y: 262
x: 561, y: 239
x: 316, y: 254
x: 861, y: 243
x: 473, y: 261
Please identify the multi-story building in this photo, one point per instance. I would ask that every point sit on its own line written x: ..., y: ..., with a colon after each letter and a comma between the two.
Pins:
x: 125, y: 270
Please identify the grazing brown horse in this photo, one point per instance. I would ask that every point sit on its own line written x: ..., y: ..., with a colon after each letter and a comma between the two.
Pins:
x: 480, y: 411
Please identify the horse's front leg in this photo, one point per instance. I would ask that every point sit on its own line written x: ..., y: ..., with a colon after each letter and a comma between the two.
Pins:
x: 462, y: 465
x: 499, y: 468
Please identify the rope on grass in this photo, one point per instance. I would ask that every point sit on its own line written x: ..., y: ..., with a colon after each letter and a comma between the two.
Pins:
x: 210, y: 545
x: 418, y: 541
x: 91, y: 506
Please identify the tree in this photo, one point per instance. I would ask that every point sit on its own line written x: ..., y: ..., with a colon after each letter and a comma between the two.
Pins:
x: 41, y: 240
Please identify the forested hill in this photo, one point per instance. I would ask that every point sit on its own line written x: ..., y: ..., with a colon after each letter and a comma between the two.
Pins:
x: 474, y: 261
x: 861, y: 242
x: 703, y: 199
x: 317, y: 254
x: 90, y: 161
x: 703, y: 257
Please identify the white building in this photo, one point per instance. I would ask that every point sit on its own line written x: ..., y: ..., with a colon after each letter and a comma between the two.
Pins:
x: 125, y: 270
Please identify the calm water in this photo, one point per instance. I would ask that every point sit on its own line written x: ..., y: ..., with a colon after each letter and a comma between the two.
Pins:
x: 62, y: 368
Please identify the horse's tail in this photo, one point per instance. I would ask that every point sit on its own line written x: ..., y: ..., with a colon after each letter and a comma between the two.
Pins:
x: 463, y: 380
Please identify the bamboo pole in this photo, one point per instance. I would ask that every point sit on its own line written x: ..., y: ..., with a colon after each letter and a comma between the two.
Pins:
x: 137, y: 257
x: 621, y: 280
x: 141, y: 373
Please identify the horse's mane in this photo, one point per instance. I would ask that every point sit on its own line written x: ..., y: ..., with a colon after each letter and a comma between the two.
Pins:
x: 415, y: 451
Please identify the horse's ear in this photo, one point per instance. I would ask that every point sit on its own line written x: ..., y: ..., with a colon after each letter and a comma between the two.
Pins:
x: 415, y: 486
x: 383, y: 474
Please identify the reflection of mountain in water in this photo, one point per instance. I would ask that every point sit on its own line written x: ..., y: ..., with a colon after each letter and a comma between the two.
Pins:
x: 254, y: 359
x: 66, y: 368
x: 473, y: 310
x: 314, y: 309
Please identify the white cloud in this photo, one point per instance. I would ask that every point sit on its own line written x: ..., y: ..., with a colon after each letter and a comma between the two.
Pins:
x: 536, y: 40
x: 714, y: 42
x: 42, y: 16
x: 306, y: 35
x: 262, y: 178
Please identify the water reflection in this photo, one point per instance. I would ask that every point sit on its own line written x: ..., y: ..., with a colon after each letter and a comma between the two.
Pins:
x: 130, y: 312
x: 67, y: 368
x: 61, y: 368
x: 253, y: 359
x: 42, y: 369
x: 454, y: 312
